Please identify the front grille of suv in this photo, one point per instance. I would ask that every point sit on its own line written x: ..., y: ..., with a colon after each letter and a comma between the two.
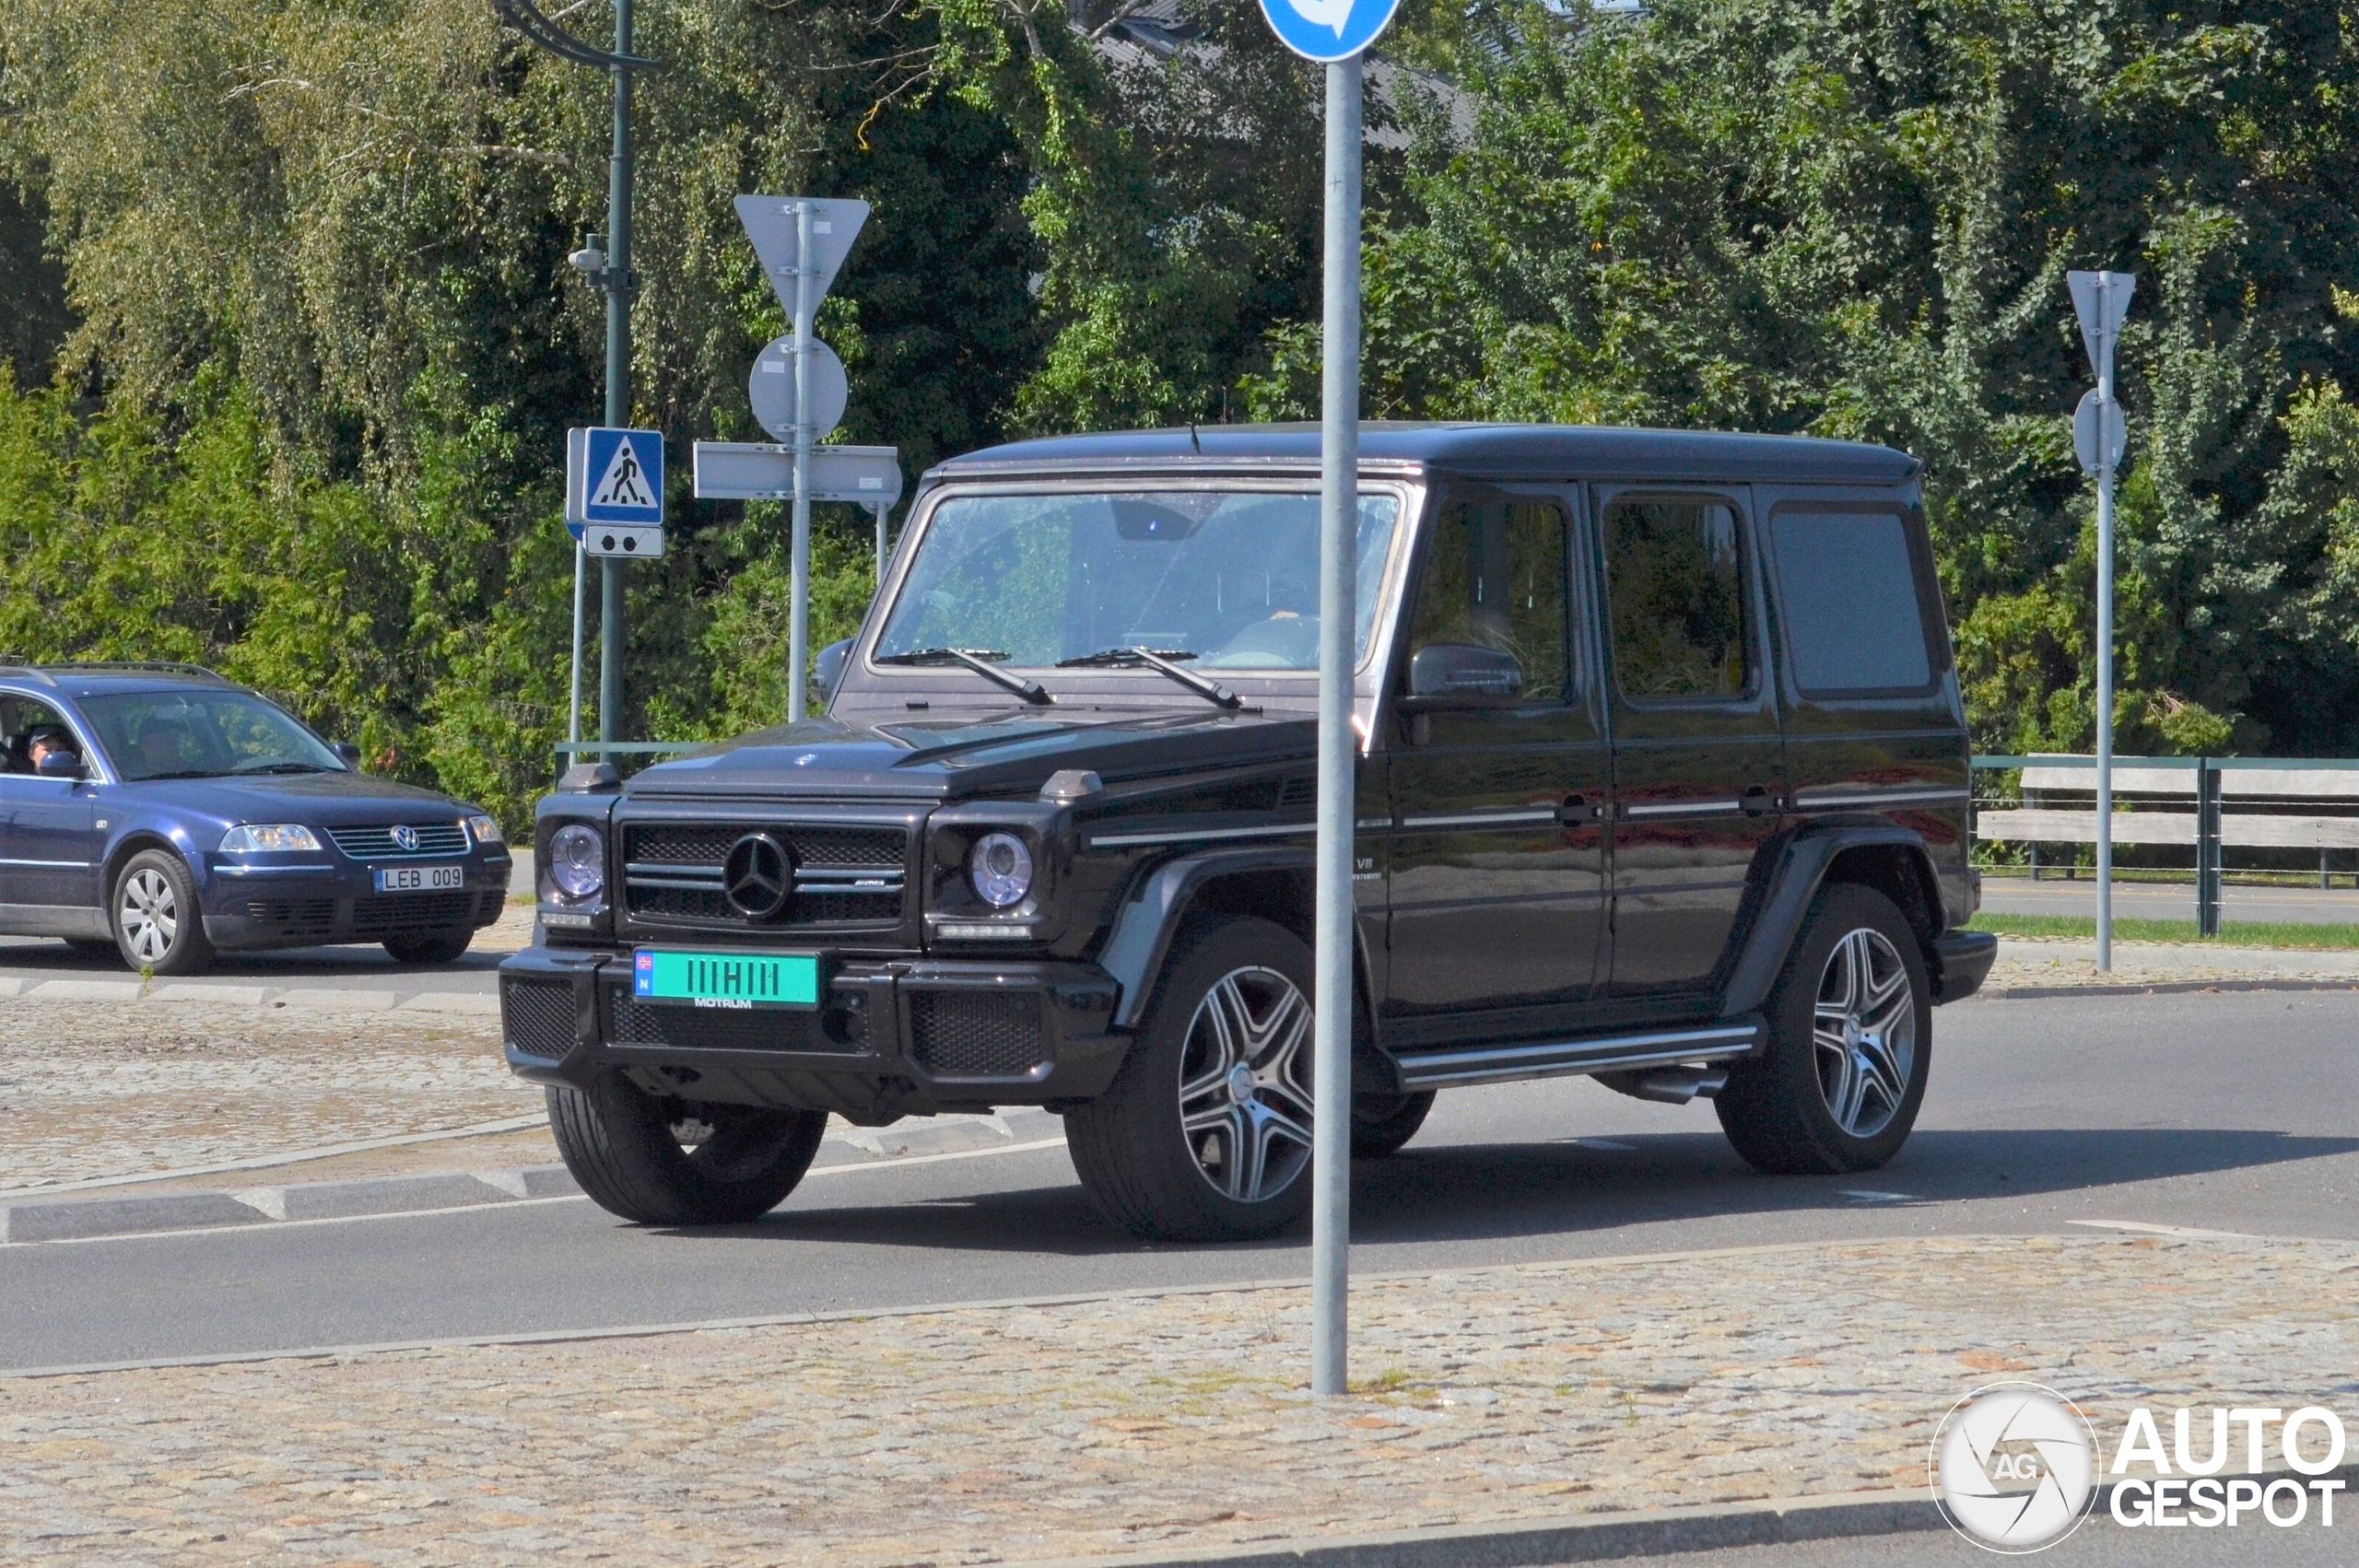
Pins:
x: 976, y: 1034
x: 637, y: 1023
x: 842, y: 876
x: 377, y: 843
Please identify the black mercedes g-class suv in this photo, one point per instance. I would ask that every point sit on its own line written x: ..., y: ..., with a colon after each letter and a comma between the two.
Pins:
x: 1662, y: 780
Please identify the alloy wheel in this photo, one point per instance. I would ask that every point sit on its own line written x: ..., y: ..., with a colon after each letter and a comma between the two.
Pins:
x: 1245, y: 1095
x: 1864, y: 1028
x: 149, y: 915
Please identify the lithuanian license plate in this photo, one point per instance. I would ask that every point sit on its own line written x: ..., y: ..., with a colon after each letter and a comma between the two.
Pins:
x: 421, y: 879
x: 727, y: 980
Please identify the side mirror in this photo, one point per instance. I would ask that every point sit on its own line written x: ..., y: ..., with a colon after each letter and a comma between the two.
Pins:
x: 349, y: 752
x: 1461, y: 674
x: 61, y: 764
x: 828, y: 667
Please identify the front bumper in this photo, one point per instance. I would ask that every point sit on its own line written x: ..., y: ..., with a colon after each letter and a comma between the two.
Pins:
x: 1965, y: 959
x: 248, y: 907
x: 890, y: 1037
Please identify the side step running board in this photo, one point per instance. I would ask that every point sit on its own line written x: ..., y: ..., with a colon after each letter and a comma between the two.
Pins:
x: 1498, y: 1064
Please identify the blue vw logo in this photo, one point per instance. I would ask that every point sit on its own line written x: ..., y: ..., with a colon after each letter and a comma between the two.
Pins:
x: 405, y: 839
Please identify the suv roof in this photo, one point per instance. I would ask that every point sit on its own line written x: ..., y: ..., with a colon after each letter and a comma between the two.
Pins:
x: 79, y: 679
x: 1474, y: 450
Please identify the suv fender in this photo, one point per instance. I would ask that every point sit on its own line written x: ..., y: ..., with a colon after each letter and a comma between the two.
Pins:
x: 1897, y: 864
x: 1150, y: 917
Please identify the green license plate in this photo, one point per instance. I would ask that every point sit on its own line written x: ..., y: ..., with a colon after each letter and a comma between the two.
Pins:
x: 727, y: 980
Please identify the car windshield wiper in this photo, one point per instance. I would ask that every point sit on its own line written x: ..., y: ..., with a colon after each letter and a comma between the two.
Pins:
x: 1212, y: 691
x: 978, y: 659
x: 182, y: 773
x: 285, y: 767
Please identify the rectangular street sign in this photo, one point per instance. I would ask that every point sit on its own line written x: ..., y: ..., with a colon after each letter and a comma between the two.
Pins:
x: 625, y: 540
x: 577, y: 457
x: 755, y: 470
x: 617, y: 477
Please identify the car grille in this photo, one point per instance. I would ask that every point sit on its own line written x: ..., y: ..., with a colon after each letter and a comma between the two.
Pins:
x: 377, y: 843
x: 293, y: 916
x: 842, y: 876
x: 536, y: 1017
x: 637, y: 1023
x: 373, y: 917
x: 976, y: 1034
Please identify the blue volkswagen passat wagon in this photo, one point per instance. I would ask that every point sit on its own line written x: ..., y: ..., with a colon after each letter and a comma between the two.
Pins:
x: 163, y: 814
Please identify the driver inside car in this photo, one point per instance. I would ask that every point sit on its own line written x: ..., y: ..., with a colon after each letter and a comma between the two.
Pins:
x: 45, y: 740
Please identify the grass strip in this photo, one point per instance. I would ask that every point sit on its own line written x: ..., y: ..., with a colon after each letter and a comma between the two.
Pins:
x: 2238, y: 934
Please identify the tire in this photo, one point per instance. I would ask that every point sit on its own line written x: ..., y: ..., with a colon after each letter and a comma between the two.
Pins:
x: 1839, y: 1089
x: 1222, y: 1070
x: 152, y: 909
x: 1381, y: 1124
x: 442, y: 947
x: 630, y: 1151
x: 93, y: 947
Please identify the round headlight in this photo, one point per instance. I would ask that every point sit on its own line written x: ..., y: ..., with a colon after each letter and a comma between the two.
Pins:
x: 577, y: 861
x: 1001, y: 869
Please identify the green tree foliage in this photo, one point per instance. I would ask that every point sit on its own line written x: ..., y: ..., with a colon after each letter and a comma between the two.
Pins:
x: 284, y: 285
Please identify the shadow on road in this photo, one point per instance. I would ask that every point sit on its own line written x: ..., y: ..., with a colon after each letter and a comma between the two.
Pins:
x: 1469, y: 1192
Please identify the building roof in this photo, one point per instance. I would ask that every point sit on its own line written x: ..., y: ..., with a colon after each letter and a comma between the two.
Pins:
x: 1473, y: 450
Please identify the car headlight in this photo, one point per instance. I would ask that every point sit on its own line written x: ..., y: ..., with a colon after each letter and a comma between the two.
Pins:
x: 1001, y: 869
x: 577, y: 861
x: 264, y: 839
x: 483, y: 830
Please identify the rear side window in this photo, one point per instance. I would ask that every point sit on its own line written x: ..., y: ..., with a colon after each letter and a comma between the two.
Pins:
x: 1853, y: 618
x: 1494, y: 577
x: 1676, y: 572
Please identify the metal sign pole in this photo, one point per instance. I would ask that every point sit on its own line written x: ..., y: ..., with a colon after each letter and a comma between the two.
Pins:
x: 573, y: 708
x: 880, y: 547
x: 2105, y: 636
x: 1331, y: 1164
x: 610, y: 606
x: 799, y: 613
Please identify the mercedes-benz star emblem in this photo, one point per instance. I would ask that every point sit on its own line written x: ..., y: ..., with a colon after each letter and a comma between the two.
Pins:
x: 759, y: 876
x: 405, y: 838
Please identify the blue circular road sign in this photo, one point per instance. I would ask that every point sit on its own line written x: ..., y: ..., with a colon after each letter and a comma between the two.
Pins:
x: 1328, y: 30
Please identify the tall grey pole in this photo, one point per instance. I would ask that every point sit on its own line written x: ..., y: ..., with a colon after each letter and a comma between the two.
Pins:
x: 799, y: 613
x: 573, y: 704
x: 1339, y: 452
x: 2105, y: 636
x: 618, y: 179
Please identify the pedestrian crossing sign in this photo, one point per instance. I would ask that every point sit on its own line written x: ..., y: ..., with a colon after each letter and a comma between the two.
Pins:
x: 622, y: 476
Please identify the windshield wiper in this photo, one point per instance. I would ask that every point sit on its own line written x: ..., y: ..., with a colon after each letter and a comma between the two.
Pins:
x: 1212, y: 691
x: 978, y: 659
x: 282, y: 766
x: 182, y: 773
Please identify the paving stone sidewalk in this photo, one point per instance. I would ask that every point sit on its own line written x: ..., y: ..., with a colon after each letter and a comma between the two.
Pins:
x: 2030, y: 964
x: 92, y: 1090
x: 1165, y: 1423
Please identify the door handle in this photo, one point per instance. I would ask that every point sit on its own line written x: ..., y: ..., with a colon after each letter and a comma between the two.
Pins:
x: 1757, y: 800
x: 1579, y: 809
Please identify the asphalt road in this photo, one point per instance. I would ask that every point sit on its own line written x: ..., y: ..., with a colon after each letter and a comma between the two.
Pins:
x: 2220, y: 1111
x: 2172, y: 901
x: 2098, y: 1543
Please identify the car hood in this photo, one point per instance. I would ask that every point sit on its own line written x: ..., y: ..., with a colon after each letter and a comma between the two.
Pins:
x: 327, y: 800
x: 959, y: 758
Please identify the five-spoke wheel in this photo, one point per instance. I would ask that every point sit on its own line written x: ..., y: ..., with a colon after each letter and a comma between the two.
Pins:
x: 1205, y: 1134
x: 1850, y: 1038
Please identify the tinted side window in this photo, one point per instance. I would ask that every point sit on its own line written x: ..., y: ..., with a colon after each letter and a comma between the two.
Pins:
x: 1494, y: 577
x: 1677, y: 575
x: 1852, y: 616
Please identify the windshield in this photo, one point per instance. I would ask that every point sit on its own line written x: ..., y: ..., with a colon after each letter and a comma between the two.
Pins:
x: 1228, y: 578
x: 203, y: 734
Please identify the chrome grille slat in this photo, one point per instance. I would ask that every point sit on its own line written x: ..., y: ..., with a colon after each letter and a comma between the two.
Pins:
x: 849, y: 875
x: 434, y: 839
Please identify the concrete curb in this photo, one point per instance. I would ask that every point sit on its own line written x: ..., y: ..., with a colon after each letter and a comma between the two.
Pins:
x: 88, y: 1219
x: 382, y: 1195
x: 72, y: 1219
x: 320, y: 998
x: 1604, y: 1538
x: 2161, y: 988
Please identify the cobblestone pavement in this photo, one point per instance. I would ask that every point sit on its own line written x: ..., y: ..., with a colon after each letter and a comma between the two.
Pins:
x: 1023, y: 1433
x: 103, y: 1089
x: 2030, y: 963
